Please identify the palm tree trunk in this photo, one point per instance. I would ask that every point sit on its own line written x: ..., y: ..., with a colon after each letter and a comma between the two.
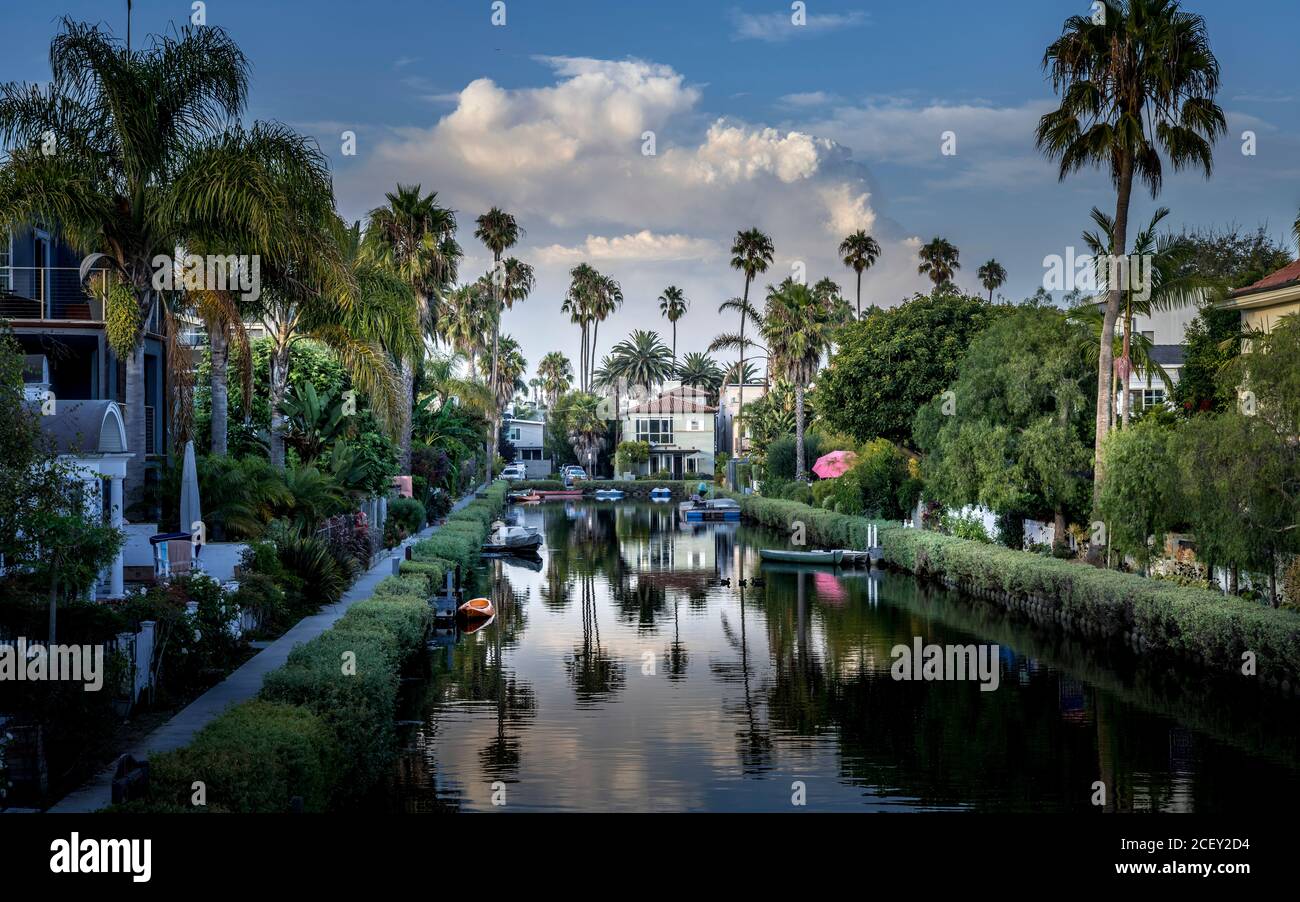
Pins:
x: 591, y: 358
x: 1106, y: 353
x: 135, y: 426
x: 799, y: 461
x: 492, y: 386
x: 408, y: 392
x: 1125, y: 399
x: 674, y: 347
x: 859, y: 294
x: 279, y: 382
x: 740, y: 377
x: 219, y: 400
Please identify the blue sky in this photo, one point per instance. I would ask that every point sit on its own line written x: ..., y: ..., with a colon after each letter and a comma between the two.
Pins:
x: 805, y: 132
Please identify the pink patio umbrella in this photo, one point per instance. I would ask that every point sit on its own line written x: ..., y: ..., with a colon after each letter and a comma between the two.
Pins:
x: 837, y: 463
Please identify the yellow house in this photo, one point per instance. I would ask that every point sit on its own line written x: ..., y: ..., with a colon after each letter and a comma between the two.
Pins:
x: 1268, y: 300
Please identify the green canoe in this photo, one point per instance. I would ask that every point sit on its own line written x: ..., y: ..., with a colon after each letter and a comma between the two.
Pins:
x: 787, y: 556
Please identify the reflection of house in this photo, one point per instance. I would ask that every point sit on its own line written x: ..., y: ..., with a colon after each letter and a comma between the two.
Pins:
x: 679, y: 427
x: 89, y: 438
x: 529, y: 439
x: 60, y: 326
x: 1265, y: 302
x: 728, y: 426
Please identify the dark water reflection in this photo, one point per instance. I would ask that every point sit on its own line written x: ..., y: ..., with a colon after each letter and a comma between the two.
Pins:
x: 632, y: 671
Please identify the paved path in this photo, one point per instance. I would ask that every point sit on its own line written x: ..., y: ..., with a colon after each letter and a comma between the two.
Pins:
x: 241, y: 685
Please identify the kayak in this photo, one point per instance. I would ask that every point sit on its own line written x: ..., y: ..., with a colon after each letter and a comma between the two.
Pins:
x: 786, y: 556
x: 477, y: 609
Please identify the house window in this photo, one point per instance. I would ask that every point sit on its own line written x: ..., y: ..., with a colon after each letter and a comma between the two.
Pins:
x: 657, y: 432
x: 6, y: 261
x: 514, y: 434
x: 691, y: 465
x: 1149, y: 397
x: 532, y: 454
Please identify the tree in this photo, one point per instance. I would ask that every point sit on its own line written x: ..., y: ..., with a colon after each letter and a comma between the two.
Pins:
x: 642, y: 359
x: 673, y: 304
x: 151, y: 157
x: 939, y: 261
x: 893, y: 361
x: 414, y: 237
x: 798, y: 329
x: 992, y: 276
x: 1233, y: 257
x: 751, y: 253
x: 511, y: 367
x: 859, y: 252
x: 1138, y: 82
x: 499, y: 232
x: 577, y: 417
x: 701, y: 371
x: 1013, y: 432
x: 1140, y: 501
x: 467, y: 321
x: 557, y: 374
x: 1211, y: 343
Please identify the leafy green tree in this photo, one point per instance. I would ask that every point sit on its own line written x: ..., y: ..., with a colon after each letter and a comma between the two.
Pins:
x: 1140, y: 500
x: 1014, y: 431
x: 893, y: 361
x: 1211, y: 343
x: 1137, y: 81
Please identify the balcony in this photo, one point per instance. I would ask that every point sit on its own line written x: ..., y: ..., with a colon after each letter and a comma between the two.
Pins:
x: 52, y: 294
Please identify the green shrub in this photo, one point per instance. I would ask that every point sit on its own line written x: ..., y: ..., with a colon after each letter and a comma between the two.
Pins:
x: 433, y: 572
x: 256, y: 757
x: 411, y: 586
x: 408, y: 513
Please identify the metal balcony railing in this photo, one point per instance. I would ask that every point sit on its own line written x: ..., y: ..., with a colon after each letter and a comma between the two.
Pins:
x: 51, y: 293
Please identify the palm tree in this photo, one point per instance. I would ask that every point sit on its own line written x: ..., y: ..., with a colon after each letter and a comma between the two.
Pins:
x: 577, y: 303
x: 151, y: 157
x: 701, y: 371
x: 606, y: 297
x: 511, y: 367
x: 1139, y: 82
x: 673, y: 304
x: 1173, y: 284
x: 736, y: 375
x: 466, y: 322
x: 556, y: 374
x: 499, y: 232
x: 415, y: 237
x: 992, y: 276
x: 798, y: 330
x: 859, y: 252
x: 642, y: 359
x: 751, y: 253
x: 366, y: 321
x: 938, y: 261
x: 827, y: 291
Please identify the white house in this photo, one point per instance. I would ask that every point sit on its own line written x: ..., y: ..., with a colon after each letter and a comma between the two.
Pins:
x: 679, y: 427
x: 1166, y: 330
x: 529, y: 439
x: 728, y: 426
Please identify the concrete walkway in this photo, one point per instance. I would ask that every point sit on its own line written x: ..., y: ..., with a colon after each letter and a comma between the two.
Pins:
x: 241, y: 685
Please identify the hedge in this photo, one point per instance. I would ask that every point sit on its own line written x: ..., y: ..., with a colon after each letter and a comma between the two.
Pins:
x: 1199, y: 624
x: 433, y: 572
x: 322, y: 729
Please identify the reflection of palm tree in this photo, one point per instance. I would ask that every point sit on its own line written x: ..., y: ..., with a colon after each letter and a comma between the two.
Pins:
x: 755, y: 744
x: 676, y: 656
x: 595, y: 675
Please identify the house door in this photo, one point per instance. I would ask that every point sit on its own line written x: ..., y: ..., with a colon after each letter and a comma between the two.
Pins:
x: 677, y: 466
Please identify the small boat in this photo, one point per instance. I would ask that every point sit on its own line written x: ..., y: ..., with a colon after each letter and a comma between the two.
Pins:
x: 788, y: 556
x: 528, y: 497
x: 512, y: 539
x: 715, y: 509
x: 477, y: 609
x: 608, y: 494
x: 567, y: 493
x: 661, y: 493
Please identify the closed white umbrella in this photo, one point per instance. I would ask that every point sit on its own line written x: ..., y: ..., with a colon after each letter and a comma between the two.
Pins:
x: 191, y: 512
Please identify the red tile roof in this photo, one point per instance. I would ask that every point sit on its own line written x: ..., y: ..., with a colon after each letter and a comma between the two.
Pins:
x: 1284, y: 276
x: 672, y: 404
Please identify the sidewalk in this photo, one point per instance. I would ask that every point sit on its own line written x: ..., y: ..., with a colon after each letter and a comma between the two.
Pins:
x: 241, y: 685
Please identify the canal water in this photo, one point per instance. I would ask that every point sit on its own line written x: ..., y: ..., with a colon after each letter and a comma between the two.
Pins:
x: 649, y: 665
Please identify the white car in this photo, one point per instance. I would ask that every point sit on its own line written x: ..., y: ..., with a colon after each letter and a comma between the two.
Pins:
x: 513, y: 472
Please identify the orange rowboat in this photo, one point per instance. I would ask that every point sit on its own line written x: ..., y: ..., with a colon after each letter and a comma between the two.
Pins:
x: 477, y: 609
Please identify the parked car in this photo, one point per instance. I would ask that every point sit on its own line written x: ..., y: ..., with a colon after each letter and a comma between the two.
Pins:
x: 514, y: 472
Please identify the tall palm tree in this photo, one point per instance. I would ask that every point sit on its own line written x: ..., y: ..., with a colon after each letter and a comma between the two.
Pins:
x: 1140, y: 82
x: 751, y: 253
x: 577, y: 303
x: 1173, y: 284
x: 499, y: 232
x: 798, y: 329
x: 859, y: 252
x: 150, y: 157
x: 367, y: 321
x: 607, y: 296
x: 642, y: 359
x: 992, y: 276
x: 673, y: 305
x: 938, y: 261
x: 467, y: 322
x: 701, y: 371
x: 556, y: 374
x: 415, y: 238
x: 511, y: 367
